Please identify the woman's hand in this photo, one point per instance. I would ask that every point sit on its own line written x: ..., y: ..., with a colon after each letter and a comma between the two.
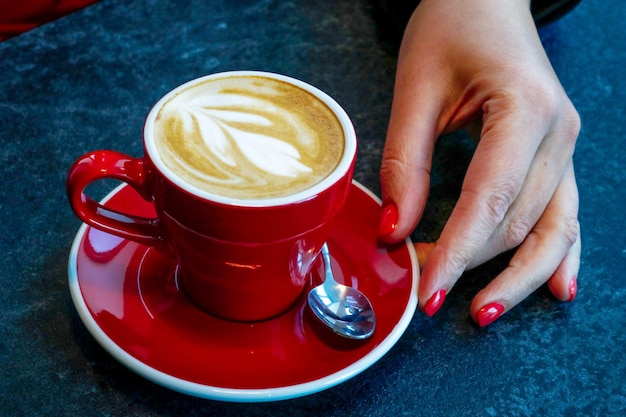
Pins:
x: 462, y: 62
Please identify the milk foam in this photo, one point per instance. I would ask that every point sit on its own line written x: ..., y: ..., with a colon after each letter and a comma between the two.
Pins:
x: 217, y: 130
x: 248, y: 138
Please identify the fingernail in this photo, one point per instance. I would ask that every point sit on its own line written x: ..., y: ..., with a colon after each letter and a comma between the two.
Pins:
x: 388, y: 220
x: 489, y: 313
x: 434, y: 302
x: 573, y: 288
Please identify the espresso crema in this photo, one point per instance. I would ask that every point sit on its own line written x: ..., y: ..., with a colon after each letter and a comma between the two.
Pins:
x: 248, y: 137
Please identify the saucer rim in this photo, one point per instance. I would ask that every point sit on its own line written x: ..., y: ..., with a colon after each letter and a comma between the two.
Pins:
x: 236, y: 394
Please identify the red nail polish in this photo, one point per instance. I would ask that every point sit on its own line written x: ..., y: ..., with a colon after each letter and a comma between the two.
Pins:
x: 434, y: 302
x: 573, y: 289
x: 489, y: 313
x: 388, y: 220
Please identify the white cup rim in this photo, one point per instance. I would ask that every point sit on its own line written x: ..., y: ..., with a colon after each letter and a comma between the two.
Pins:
x: 337, y: 174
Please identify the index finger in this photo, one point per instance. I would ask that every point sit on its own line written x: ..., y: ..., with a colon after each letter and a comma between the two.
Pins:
x: 493, y: 181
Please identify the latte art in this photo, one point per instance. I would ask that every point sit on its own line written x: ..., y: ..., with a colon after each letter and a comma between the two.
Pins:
x: 248, y: 137
x: 216, y: 127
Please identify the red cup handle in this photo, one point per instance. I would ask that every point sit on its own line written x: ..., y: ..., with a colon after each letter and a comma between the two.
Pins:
x: 109, y: 164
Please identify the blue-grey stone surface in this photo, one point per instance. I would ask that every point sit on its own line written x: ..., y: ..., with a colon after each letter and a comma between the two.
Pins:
x: 88, y: 80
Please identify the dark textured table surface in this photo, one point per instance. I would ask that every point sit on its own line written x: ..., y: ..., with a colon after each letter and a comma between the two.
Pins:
x: 88, y: 80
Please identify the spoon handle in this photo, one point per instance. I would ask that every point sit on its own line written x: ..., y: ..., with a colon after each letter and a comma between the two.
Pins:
x: 330, y: 279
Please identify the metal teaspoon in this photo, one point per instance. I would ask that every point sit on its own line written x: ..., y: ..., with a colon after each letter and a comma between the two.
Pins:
x: 344, y: 309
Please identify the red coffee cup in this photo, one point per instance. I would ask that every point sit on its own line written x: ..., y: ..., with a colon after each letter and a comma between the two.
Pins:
x: 239, y: 259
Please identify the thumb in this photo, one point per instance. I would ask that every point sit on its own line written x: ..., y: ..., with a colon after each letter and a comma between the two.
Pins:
x: 407, y: 160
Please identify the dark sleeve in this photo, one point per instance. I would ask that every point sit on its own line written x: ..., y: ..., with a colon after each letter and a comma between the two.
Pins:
x: 546, y: 11
x: 398, y: 12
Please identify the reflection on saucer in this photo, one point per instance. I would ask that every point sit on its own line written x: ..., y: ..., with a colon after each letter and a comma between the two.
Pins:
x: 101, y: 246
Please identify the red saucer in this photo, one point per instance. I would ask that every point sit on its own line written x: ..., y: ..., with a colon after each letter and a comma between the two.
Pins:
x: 128, y: 298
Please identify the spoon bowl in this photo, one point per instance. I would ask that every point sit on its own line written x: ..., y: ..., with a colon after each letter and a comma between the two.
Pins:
x: 344, y: 309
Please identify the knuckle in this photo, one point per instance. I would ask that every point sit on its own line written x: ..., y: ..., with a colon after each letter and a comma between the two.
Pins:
x: 569, y: 228
x: 572, y: 123
x: 391, y: 173
x: 397, y: 174
x: 498, y: 202
x: 457, y: 260
x: 516, y: 232
x: 395, y: 162
x: 550, y: 96
x: 537, y: 92
x: 391, y: 166
x: 558, y: 108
